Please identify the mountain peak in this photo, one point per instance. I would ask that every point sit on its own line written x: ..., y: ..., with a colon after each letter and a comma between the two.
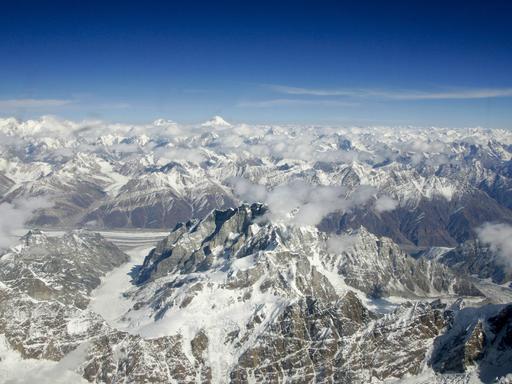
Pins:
x: 216, y: 121
x: 34, y: 236
x: 163, y: 122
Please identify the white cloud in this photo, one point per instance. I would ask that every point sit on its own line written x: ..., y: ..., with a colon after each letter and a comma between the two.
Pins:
x: 385, y: 203
x: 339, y: 243
x: 499, y: 238
x: 166, y: 154
x: 253, y: 193
x: 294, y: 102
x: 299, y: 202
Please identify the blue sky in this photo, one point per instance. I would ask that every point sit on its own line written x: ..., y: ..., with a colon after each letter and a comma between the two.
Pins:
x: 398, y: 62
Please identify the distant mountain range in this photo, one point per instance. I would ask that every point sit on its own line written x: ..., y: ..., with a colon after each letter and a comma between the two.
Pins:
x: 294, y: 254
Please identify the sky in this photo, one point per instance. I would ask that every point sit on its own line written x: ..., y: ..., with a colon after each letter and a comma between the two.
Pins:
x: 419, y: 62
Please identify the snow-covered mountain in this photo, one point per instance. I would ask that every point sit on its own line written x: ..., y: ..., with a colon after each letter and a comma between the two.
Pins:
x: 63, y: 269
x: 294, y: 254
x: 234, y: 297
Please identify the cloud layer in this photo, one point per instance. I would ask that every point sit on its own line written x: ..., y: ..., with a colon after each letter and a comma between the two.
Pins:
x: 499, y: 239
x: 14, y: 215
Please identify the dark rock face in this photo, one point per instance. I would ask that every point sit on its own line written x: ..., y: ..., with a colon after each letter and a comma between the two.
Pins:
x: 476, y: 336
x: 499, y: 186
x: 474, y: 258
x: 188, y: 248
x: 395, y: 345
x: 330, y: 347
x: 303, y: 342
x: 432, y: 222
x: 140, y: 214
x: 69, y: 200
x: 462, y: 351
x: 148, y: 204
x: 497, y: 356
x: 474, y: 346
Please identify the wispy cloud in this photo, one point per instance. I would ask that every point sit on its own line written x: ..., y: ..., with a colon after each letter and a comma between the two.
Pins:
x: 33, y: 103
x: 309, y: 91
x: 460, y: 93
x: 294, y: 102
x: 15, y: 214
x: 114, y: 105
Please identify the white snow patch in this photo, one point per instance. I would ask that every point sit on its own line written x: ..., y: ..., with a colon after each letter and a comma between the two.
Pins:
x: 108, y: 299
